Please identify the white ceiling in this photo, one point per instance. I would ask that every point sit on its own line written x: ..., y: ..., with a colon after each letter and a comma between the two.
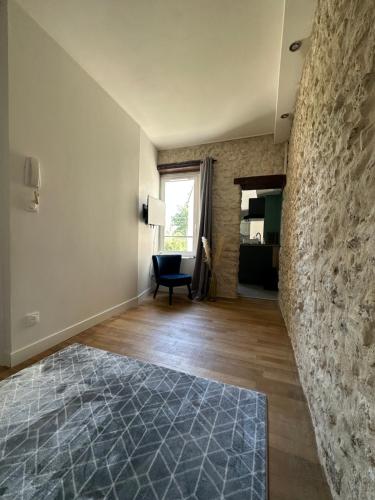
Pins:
x: 188, y: 71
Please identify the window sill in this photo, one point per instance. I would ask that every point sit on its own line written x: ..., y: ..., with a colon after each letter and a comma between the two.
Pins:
x: 184, y: 256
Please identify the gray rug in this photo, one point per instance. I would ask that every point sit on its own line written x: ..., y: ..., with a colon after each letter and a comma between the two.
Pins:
x: 85, y: 423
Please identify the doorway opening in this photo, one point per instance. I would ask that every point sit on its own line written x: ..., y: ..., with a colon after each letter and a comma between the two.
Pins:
x: 261, y: 207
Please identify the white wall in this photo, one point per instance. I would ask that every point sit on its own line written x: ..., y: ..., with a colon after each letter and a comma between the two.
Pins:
x: 147, y: 235
x: 78, y: 257
x: 4, y: 191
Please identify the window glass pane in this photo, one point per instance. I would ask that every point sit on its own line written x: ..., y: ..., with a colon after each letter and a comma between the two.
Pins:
x: 178, y: 244
x: 256, y: 229
x: 179, y: 224
x: 251, y: 230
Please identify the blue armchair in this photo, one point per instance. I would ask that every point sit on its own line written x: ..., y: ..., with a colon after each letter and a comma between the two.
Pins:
x: 167, y: 273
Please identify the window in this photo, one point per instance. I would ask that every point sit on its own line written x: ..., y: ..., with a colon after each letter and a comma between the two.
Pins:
x: 251, y: 229
x: 181, y: 195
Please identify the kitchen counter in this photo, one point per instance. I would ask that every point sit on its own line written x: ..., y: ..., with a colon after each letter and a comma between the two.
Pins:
x: 259, y: 245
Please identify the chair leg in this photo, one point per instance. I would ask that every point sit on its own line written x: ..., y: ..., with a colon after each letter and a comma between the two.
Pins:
x: 170, y: 295
x: 156, y: 290
x: 190, y: 295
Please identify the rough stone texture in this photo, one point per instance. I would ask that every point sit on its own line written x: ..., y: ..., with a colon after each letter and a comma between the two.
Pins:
x: 328, y: 242
x: 237, y: 158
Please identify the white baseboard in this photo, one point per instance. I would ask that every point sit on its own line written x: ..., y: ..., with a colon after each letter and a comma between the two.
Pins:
x: 143, y: 295
x: 41, y: 345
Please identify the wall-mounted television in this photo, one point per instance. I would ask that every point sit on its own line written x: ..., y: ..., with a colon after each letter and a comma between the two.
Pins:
x: 155, y: 212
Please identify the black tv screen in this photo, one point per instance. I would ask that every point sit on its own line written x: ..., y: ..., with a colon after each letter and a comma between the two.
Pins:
x: 256, y: 208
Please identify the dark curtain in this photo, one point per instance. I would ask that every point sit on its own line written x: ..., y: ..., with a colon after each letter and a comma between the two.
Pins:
x: 200, y: 282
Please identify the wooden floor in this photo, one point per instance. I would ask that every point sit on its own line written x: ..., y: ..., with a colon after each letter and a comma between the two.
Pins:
x: 242, y: 342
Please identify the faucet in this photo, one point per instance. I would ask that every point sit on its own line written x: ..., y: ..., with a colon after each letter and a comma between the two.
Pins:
x: 260, y: 237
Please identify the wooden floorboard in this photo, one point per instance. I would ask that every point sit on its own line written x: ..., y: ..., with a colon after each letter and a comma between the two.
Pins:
x: 242, y: 342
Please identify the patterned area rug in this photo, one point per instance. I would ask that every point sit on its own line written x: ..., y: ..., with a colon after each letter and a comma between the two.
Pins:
x: 85, y: 423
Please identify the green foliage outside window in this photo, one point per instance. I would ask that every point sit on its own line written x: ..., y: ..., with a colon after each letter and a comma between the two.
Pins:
x: 176, y: 239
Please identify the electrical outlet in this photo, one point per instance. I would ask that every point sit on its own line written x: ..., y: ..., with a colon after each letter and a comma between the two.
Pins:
x: 32, y: 319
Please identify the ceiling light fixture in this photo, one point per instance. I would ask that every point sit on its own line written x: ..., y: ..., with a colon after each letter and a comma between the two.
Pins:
x: 284, y: 115
x: 293, y: 47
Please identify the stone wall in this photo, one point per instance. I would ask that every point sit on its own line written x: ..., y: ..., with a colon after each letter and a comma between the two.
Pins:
x: 328, y: 242
x: 237, y: 158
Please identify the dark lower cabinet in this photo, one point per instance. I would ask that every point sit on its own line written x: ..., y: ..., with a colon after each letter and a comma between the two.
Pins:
x: 257, y: 266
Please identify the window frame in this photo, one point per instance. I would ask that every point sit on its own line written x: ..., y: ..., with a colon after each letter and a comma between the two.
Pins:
x: 196, y: 215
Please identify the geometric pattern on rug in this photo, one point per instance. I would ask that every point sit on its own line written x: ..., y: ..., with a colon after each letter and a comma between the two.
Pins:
x: 86, y: 423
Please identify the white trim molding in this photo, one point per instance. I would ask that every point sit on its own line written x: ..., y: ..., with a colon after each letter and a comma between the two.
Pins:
x: 141, y: 297
x: 41, y: 345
